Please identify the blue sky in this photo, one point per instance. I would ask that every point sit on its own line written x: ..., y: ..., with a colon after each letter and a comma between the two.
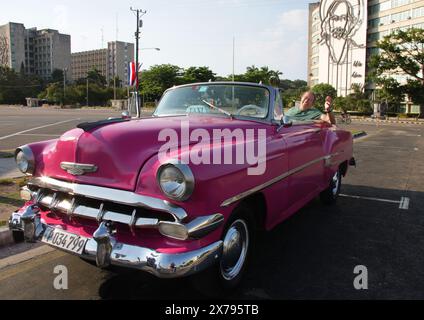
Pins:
x: 189, y: 32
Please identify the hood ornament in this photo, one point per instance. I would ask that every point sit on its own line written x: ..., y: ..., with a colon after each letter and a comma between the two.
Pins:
x: 78, y: 169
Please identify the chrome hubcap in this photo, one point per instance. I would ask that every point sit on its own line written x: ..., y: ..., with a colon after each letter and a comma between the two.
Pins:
x: 236, y: 244
x: 336, y: 183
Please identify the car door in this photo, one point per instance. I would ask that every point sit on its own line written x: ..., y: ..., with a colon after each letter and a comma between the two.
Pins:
x: 304, y: 147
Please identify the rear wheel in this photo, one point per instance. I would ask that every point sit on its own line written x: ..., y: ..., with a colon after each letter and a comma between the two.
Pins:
x: 331, y: 194
x: 238, y: 239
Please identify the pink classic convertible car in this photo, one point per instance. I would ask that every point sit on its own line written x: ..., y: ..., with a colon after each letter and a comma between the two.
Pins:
x: 184, y: 191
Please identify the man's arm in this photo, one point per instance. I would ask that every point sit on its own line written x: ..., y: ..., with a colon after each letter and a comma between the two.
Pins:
x: 328, y: 116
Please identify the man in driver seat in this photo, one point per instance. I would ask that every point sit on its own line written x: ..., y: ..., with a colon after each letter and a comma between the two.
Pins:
x: 306, y: 111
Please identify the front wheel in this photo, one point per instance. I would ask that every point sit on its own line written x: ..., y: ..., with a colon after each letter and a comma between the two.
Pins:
x: 238, y: 239
x: 18, y: 236
x: 330, y: 195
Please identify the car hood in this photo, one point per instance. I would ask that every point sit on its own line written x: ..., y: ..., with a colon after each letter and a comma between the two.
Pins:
x: 120, y: 150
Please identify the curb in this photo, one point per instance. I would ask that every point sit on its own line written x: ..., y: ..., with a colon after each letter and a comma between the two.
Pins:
x: 390, y: 121
x: 6, y: 237
x: 359, y: 135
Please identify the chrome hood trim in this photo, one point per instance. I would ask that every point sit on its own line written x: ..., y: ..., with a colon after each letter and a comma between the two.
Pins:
x: 78, y: 169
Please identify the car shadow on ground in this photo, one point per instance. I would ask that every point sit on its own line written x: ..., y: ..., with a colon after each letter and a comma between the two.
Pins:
x: 313, y: 255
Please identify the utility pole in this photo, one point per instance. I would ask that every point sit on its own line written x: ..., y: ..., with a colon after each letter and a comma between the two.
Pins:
x: 234, y: 56
x: 64, y: 85
x: 87, y: 91
x: 139, y: 14
x: 114, y: 74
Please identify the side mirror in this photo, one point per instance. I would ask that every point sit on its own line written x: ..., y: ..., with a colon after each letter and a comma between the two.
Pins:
x: 286, y: 122
x: 125, y: 115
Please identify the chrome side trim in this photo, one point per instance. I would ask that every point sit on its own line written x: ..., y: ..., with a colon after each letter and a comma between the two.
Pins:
x: 107, y: 194
x: 202, y: 226
x: 248, y: 193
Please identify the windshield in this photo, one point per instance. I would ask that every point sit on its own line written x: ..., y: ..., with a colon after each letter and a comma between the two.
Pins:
x: 223, y: 99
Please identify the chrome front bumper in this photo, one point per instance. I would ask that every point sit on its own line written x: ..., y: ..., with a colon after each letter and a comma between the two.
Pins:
x: 106, y: 251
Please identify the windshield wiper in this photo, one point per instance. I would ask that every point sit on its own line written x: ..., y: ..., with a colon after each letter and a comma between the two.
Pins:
x: 219, y: 109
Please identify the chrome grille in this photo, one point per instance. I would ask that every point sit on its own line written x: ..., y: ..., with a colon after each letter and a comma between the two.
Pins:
x: 92, y: 209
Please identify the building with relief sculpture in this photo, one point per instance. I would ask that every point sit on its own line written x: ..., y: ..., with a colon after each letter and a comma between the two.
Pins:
x: 343, y: 35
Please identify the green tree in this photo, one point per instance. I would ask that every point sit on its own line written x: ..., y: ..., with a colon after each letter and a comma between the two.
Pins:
x: 95, y: 76
x: 198, y: 74
x: 322, y: 91
x: 115, y: 82
x: 256, y: 75
x: 292, y: 91
x: 57, y: 76
x: 158, y: 79
x: 15, y: 87
x: 401, y: 53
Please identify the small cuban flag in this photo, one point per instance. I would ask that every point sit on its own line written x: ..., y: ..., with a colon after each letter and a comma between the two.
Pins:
x: 132, y: 79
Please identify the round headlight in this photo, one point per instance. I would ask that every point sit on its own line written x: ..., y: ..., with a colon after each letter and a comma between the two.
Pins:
x: 25, y: 160
x: 22, y: 162
x: 176, y: 181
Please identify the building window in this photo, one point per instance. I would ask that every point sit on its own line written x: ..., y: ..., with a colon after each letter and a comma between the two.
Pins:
x: 374, y: 37
x: 418, y: 12
x: 399, y: 3
x: 401, y: 16
x: 374, y: 23
x: 373, y: 51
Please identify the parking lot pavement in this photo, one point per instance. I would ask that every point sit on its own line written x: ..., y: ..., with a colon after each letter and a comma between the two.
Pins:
x: 377, y: 223
x: 8, y: 169
x: 19, y: 126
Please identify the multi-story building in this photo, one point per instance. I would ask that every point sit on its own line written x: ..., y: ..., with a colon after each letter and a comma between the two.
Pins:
x: 37, y: 52
x: 111, y: 62
x: 83, y: 62
x: 343, y: 35
x: 12, y: 42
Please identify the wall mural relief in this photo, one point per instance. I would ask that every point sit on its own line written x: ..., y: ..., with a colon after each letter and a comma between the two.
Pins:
x: 343, y: 37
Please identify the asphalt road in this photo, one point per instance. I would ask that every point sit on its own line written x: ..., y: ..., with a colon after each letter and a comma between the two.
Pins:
x: 19, y: 126
x: 310, y: 256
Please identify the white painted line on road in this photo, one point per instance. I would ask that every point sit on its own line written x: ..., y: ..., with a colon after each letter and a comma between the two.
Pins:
x: 38, y: 135
x: 404, y: 203
x: 29, y: 130
x: 368, y: 198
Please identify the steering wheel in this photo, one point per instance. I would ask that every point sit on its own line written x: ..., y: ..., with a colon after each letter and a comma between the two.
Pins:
x: 250, y: 107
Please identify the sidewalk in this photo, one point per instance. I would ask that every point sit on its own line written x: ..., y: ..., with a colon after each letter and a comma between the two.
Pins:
x: 391, y: 120
x: 8, y: 169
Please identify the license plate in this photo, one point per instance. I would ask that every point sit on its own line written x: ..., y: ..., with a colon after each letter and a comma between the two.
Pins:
x: 64, y: 240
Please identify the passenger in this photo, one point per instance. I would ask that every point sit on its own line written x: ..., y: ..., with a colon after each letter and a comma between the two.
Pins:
x: 306, y: 111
